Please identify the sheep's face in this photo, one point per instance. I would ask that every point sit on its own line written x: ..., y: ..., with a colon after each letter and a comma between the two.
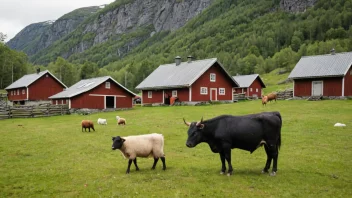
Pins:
x: 117, y: 142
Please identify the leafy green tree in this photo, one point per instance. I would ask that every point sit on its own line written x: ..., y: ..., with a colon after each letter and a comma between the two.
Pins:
x: 89, y: 70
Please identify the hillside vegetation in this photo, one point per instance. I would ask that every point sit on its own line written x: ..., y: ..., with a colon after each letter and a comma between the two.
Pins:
x: 246, y: 36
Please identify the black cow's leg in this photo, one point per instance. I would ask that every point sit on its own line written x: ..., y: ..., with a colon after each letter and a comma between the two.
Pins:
x: 163, y: 160
x: 228, y: 159
x: 129, y: 166
x: 268, y: 161
x: 275, y: 157
x: 135, y: 164
x: 223, y: 166
x: 156, y: 159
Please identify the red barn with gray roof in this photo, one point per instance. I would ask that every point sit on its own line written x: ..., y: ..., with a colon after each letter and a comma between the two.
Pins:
x: 191, y: 81
x: 95, y: 93
x: 252, y: 85
x: 34, y: 87
x: 323, y: 75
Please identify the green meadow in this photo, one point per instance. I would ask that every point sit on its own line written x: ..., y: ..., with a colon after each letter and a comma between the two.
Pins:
x: 52, y: 157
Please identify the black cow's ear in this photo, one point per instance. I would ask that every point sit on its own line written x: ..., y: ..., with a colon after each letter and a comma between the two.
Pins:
x: 113, y: 138
x: 122, y: 140
x: 201, y: 126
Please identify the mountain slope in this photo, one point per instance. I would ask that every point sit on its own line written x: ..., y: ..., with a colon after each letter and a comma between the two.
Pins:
x: 36, y: 37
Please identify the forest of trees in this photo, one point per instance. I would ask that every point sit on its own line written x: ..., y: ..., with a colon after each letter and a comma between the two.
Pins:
x: 246, y: 36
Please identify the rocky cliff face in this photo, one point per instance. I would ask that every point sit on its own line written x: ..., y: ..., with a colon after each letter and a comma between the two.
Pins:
x: 161, y: 14
x: 296, y: 5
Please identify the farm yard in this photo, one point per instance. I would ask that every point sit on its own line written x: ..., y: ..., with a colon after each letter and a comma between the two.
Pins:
x: 52, y: 157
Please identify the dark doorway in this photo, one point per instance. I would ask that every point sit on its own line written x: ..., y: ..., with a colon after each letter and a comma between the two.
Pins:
x: 110, y: 101
x: 167, y: 99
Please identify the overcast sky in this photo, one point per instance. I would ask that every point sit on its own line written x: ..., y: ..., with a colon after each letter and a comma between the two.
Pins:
x: 17, y: 14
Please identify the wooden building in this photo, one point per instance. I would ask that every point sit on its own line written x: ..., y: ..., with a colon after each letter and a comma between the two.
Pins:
x: 251, y: 85
x: 191, y: 81
x: 323, y: 75
x: 95, y: 93
x: 34, y: 87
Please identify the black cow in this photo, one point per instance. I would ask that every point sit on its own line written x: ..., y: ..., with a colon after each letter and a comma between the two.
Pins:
x: 248, y: 132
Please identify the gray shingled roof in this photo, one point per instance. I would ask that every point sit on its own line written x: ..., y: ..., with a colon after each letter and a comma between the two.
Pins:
x: 322, y: 66
x: 183, y: 75
x: 84, y: 86
x: 247, y: 80
x: 28, y: 79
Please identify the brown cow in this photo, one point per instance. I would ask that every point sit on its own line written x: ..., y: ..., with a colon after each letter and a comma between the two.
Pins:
x: 272, y: 96
x: 264, y: 100
x: 87, y: 124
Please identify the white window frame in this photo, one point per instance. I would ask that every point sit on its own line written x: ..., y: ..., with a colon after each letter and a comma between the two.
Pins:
x: 18, y: 92
x: 11, y: 92
x: 256, y: 90
x: 174, y: 93
x: 214, y: 77
x: 203, y: 90
x: 250, y: 89
x: 47, y: 75
x: 222, y: 91
x: 56, y: 102
x: 150, y: 94
x: 107, y: 85
x: 23, y: 91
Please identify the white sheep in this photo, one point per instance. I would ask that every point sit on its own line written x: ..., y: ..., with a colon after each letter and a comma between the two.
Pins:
x: 120, y: 120
x: 147, y: 145
x: 102, y: 121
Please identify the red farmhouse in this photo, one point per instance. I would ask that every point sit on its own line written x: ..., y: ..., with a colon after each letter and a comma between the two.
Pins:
x: 323, y: 75
x: 191, y: 81
x: 95, y: 93
x: 252, y: 85
x: 34, y: 87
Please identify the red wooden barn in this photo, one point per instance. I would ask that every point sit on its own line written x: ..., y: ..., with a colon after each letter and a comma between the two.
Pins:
x: 191, y: 81
x: 34, y: 87
x: 95, y: 93
x: 323, y: 75
x: 252, y: 85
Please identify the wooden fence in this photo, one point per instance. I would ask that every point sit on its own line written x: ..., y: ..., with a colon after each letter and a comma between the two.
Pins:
x: 32, y: 111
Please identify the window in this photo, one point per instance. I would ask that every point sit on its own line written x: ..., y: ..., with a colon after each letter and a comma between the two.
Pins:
x: 18, y: 92
x: 11, y: 93
x: 46, y: 75
x: 62, y: 101
x: 174, y: 93
x: 256, y: 90
x: 221, y: 91
x: 107, y: 85
x: 204, y: 90
x: 251, y: 89
x: 212, y: 77
x: 56, y: 102
x: 351, y: 72
x: 23, y: 91
x: 150, y: 94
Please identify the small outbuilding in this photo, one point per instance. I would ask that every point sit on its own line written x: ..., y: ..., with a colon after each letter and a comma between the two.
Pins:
x: 191, y: 81
x: 95, y: 93
x: 34, y: 87
x: 251, y: 85
x: 323, y: 75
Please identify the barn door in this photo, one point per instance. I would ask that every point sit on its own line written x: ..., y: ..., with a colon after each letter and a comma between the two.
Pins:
x: 317, y: 88
x: 213, y: 94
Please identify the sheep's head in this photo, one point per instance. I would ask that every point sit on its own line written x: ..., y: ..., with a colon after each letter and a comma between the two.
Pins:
x: 117, y: 117
x: 117, y: 142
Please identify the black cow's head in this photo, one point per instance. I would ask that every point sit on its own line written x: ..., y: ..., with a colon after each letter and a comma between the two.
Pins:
x: 195, y: 135
x: 117, y: 142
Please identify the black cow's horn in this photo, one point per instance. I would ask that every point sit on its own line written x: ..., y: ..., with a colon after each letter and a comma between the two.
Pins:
x: 186, y: 123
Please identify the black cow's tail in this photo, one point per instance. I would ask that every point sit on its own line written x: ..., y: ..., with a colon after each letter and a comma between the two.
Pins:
x: 278, y: 144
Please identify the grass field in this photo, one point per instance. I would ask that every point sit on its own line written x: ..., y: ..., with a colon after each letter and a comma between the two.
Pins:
x: 272, y: 79
x: 51, y: 157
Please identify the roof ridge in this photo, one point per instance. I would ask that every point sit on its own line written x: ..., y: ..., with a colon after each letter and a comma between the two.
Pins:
x: 187, y: 62
x: 325, y: 54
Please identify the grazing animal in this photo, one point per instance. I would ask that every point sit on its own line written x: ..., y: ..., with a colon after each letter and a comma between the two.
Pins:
x: 87, y: 124
x: 102, y: 121
x: 120, y: 120
x: 272, y: 96
x: 264, y: 100
x: 140, y: 146
x: 247, y: 132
